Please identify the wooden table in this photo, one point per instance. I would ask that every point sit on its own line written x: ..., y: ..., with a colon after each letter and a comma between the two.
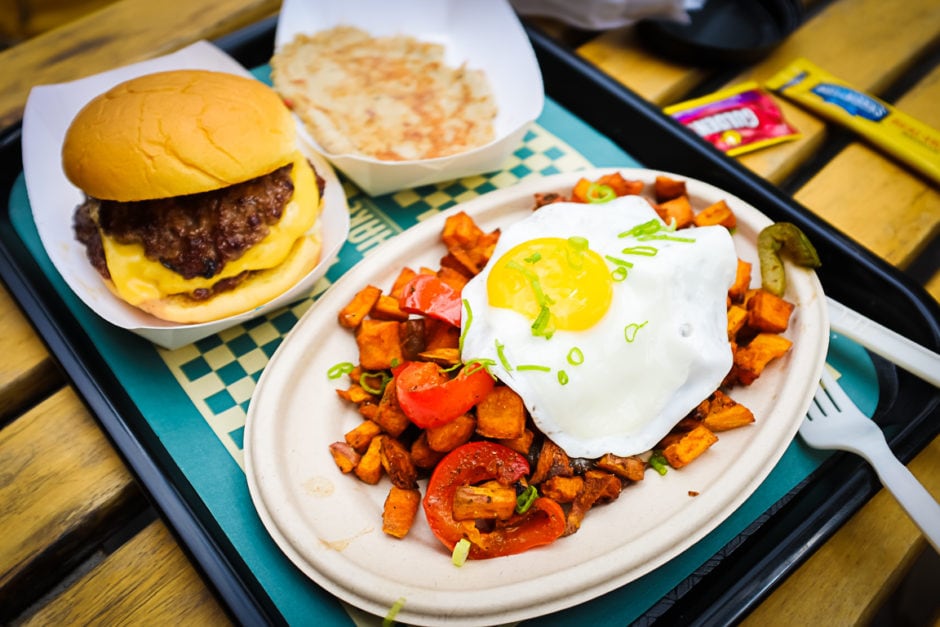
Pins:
x: 80, y: 542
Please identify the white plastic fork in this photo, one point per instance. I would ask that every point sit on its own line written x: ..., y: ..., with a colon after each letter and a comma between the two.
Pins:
x: 834, y: 422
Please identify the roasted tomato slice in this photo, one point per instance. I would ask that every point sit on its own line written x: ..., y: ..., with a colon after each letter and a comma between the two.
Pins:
x: 430, y: 398
x: 428, y: 295
x: 477, y: 462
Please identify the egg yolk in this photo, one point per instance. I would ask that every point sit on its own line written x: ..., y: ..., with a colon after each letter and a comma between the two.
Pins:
x: 553, y: 275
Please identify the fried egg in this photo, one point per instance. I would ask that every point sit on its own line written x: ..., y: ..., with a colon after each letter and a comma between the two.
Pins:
x: 610, y: 325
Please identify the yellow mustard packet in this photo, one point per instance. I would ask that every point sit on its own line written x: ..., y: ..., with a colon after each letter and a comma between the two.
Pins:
x: 906, y: 138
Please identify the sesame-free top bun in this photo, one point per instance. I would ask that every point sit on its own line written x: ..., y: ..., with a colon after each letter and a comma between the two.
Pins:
x: 177, y: 132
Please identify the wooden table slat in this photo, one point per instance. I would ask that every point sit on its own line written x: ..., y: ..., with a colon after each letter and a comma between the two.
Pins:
x: 64, y: 490
x: 890, y: 211
x: 151, y: 29
x: 147, y: 581
x: 27, y: 371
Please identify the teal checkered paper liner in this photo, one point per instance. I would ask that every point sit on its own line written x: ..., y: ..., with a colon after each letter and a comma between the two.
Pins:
x: 195, y: 398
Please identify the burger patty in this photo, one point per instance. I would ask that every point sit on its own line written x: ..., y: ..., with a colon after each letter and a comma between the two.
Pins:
x: 193, y: 235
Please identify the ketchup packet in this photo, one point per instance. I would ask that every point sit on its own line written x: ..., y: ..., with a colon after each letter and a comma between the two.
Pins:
x: 735, y: 120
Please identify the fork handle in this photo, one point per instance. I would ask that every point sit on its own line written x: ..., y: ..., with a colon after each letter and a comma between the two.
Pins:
x: 911, y: 494
x: 881, y: 340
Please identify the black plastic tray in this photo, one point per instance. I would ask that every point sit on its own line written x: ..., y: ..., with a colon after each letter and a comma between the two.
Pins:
x: 738, y: 577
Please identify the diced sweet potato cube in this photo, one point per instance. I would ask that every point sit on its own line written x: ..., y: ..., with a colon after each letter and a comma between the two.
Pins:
x: 631, y: 468
x: 403, y: 278
x: 361, y: 435
x: 522, y: 444
x: 345, y: 456
x: 677, y: 211
x: 620, y: 185
x: 718, y: 213
x: 562, y: 489
x: 439, y: 334
x: 386, y: 308
x: 750, y: 360
x: 422, y: 455
x: 501, y: 414
x: 398, y: 513
x: 369, y: 468
x: 552, y: 461
x: 737, y: 318
x: 442, y: 356
x: 489, y: 501
x: 452, y: 277
x: 689, y: 446
x: 355, y: 394
x: 579, y: 192
x: 768, y: 312
x: 727, y: 418
x: 720, y: 412
x: 463, y: 237
x: 449, y: 436
x: 378, y: 344
x: 599, y: 486
x: 368, y: 410
x: 547, y: 198
x: 411, y: 337
x: 396, y: 461
x: 666, y: 188
x: 359, y: 307
x: 390, y: 415
x: 742, y: 281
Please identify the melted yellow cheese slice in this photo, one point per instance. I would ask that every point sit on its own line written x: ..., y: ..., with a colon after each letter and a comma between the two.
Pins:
x: 137, y: 278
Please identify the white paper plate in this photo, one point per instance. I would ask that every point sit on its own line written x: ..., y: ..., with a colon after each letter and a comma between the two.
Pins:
x: 329, y: 524
x: 48, y: 114
x: 486, y: 34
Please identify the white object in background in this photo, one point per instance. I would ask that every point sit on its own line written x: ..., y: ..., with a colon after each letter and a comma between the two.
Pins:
x: 484, y: 34
x: 884, y: 342
x: 605, y: 14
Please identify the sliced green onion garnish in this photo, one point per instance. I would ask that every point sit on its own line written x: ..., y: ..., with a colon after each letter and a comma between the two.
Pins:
x: 389, y: 619
x: 630, y: 331
x: 562, y: 377
x: 646, y: 228
x: 368, y: 388
x: 542, y: 326
x: 465, y: 326
x: 619, y: 274
x: 577, y: 246
x: 599, y: 193
x: 618, y: 262
x: 578, y: 243
x: 502, y: 356
x: 540, y: 297
x: 646, y: 251
x: 533, y: 257
x: 340, y: 369
x: 658, y: 463
x: 671, y: 238
x: 475, y: 365
x: 461, y: 551
x: 536, y: 367
x: 525, y: 499
x: 575, y: 356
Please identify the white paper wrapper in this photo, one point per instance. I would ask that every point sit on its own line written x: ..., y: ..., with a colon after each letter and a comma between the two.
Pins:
x: 49, y: 111
x: 486, y: 34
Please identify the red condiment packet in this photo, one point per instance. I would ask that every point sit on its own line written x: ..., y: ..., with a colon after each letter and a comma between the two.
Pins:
x: 735, y: 120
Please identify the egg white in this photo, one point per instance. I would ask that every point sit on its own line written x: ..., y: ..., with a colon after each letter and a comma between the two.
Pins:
x: 625, y: 395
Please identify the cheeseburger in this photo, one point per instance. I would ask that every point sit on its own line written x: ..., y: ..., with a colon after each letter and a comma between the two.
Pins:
x: 198, y: 203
